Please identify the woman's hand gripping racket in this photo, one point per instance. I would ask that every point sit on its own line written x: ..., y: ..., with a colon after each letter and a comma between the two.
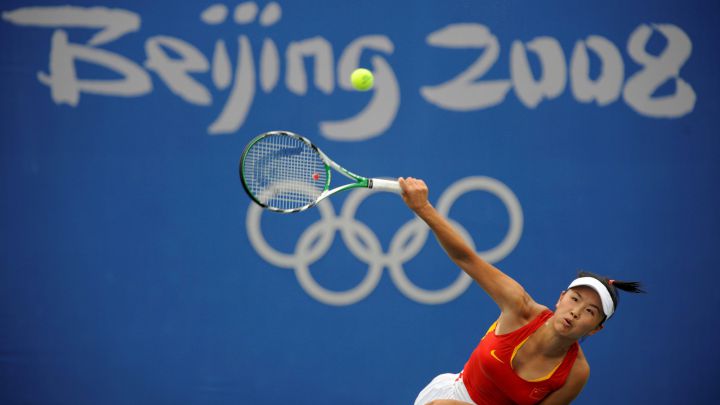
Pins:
x: 284, y: 172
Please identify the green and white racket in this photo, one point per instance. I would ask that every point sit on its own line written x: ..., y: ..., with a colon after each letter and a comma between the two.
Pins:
x: 284, y: 172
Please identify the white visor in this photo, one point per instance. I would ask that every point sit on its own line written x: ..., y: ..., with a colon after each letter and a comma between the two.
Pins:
x: 595, y: 284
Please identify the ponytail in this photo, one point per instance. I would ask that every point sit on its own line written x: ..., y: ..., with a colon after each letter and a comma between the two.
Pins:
x: 629, y: 286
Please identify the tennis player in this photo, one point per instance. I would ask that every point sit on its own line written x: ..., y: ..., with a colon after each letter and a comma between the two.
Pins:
x: 530, y: 355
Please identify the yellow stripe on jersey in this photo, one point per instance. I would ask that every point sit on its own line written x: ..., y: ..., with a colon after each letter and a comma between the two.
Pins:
x: 537, y: 379
x: 492, y: 328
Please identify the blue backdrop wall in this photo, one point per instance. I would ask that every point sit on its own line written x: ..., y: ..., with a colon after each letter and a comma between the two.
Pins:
x: 557, y: 136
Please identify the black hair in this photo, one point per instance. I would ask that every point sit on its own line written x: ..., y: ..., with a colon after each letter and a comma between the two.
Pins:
x: 613, y: 286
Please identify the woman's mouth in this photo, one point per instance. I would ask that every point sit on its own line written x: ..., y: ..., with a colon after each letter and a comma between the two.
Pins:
x: 567, y: 323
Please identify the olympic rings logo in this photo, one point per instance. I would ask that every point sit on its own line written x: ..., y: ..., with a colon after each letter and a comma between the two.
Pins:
x: 364, y: 244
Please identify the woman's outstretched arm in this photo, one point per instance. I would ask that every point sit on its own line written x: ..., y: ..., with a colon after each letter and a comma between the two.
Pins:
x: 507, y: 293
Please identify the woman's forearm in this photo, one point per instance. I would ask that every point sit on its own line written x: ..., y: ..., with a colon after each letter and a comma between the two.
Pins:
x: 456, y: 247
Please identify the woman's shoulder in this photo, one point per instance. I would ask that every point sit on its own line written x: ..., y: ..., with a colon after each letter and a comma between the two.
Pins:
x: 581, y: 357
x: 512, y: 321
x: 535, y: 310
x: 581, y: 367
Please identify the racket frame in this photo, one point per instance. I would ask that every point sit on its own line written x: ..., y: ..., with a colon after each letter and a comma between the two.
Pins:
x: 360, y: 181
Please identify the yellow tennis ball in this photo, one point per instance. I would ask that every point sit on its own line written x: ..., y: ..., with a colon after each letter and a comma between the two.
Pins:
x: 362, y: 79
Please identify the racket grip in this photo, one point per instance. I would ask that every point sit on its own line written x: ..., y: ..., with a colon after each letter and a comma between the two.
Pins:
x: 385, y: 185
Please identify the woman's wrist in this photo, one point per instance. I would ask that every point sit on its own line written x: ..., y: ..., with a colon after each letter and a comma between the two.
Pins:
x: 424, y: 210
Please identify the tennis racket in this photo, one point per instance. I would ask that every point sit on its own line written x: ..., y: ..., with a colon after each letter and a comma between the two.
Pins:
x: 284, y: 172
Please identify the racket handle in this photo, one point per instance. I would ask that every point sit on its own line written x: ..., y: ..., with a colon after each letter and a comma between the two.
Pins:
x: 385, y: 185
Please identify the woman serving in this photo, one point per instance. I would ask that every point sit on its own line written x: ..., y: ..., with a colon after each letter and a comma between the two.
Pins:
x: 530, y: 355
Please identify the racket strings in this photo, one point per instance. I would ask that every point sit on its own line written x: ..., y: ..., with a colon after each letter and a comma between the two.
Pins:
x: 284, y: 172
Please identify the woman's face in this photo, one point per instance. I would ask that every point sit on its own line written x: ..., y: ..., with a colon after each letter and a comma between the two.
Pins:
x: 578, y: 313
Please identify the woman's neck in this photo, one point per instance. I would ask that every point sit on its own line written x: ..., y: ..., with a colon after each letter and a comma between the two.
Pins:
x: 550, y: 343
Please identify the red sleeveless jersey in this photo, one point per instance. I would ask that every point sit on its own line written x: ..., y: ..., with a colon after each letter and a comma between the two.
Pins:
x: 490, y: 379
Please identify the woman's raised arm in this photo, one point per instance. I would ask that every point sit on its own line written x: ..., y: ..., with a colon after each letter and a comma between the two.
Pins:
x: 507, y: 293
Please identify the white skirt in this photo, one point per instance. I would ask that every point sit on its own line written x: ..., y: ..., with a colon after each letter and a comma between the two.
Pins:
x: 444, y: 386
